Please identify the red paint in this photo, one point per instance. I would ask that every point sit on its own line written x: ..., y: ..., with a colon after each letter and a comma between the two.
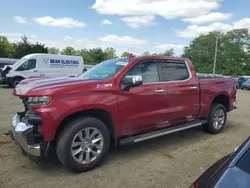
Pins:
x: 139, y: 109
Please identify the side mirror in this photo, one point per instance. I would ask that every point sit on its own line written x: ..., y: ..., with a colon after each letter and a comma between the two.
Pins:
x: 131, y: 81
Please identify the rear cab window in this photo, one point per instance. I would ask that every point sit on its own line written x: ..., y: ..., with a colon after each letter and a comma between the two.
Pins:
x: 172, y: 70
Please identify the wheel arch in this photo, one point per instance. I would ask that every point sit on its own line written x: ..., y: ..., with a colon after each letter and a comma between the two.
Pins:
x: 100, y: 114
x: 222, y: 99
x: 14, y: 78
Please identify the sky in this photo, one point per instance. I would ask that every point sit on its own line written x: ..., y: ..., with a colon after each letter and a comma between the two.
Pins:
x: 127, y: 25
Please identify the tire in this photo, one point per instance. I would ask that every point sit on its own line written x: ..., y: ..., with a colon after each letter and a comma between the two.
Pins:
x: 70, y: 133
x: 15, y: 81
x: 212, y: 127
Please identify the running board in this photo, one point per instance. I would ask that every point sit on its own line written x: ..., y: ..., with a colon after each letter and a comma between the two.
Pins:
x: 161, y: 132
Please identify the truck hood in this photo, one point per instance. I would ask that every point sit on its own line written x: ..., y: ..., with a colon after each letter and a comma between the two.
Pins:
x: 34, y: 86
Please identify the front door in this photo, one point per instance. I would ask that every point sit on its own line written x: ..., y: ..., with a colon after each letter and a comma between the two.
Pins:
x: 143, y: 107
x: 28, y: 68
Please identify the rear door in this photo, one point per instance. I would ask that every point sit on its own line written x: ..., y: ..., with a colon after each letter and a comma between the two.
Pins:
x: 182, y: 91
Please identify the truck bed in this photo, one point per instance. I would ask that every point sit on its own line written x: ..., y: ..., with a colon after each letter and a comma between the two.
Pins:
x: 210, y: 76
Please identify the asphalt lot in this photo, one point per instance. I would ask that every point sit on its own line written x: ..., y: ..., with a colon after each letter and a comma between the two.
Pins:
x: 170, y: 161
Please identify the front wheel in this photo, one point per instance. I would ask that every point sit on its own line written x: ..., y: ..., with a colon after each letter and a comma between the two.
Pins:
x: 15, y: 82
x: 217, y: 119
x: 83, y: 144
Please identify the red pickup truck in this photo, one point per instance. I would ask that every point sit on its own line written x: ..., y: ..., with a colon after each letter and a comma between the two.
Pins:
x: 119, y: 101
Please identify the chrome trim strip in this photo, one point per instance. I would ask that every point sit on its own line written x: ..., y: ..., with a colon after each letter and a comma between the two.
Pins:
x: 165, y: 133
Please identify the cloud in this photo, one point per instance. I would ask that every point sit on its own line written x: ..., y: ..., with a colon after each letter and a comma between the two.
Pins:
x: 122, y: 40
x: 243, y: 23
x: 208, y: 18
x: 138, y: 21
x: 169, y: 9
x: 20, y: 20
x: 169, y: 46
x: 12, y: 35
x: 59, y: 22
x: 106, y: 22
x: 178, y: 48
x: 194, y: 30
x: 120, y: 43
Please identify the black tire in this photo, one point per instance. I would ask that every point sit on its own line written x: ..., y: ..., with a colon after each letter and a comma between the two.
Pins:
x: 209, y: 126
x: 15, y: 81
x: 65, y: 138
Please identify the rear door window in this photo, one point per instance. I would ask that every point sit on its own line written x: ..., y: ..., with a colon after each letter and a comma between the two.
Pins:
x: 174, y: 70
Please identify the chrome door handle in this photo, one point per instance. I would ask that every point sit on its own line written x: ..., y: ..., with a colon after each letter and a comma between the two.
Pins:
x: 193, y: 87
x: 159, y: 90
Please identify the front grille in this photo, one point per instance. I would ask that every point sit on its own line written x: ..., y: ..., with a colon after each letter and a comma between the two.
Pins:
x: 34, y: 136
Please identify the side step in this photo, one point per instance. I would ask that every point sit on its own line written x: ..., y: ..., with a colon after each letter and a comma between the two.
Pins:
x: 161, y: 132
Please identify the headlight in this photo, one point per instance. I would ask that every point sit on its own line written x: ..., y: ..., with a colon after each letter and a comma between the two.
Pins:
x: 36, y: 101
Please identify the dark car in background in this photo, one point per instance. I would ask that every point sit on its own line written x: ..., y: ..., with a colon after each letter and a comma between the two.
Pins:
x: 5, y: 62
x: 242, y: 79
x: 245, y: 85
x: 231, y: 171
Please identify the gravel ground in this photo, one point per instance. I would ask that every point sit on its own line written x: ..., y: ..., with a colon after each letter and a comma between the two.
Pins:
x: 170, y: 161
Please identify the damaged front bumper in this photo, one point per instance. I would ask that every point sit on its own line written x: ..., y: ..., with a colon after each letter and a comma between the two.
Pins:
x: 23, y: 134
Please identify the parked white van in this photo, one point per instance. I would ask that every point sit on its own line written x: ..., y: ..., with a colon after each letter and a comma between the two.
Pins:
x: 43, y: 65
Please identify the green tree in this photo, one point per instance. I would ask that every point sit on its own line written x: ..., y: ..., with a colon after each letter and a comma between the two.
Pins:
x: 110, y: 53
x: 232, y: 55
x: 53, y: 50
x: 146, y: 53
x: 96, y: 55
x: 22, y: 48
x: 7, y: 49
x: 169, y: 52
x: 125, y: 54
x: 68, y: 51
x: 38, y: 48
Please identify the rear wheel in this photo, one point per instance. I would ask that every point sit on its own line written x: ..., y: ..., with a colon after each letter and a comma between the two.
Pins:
x: 83, y: 144
x: 217, y: 119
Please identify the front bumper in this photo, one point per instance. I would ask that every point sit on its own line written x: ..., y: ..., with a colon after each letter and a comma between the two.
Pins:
x: 22, y: 134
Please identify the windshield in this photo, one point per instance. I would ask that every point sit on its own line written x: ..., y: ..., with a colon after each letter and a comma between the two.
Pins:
x: 20, y: 61
x: 106, y: 69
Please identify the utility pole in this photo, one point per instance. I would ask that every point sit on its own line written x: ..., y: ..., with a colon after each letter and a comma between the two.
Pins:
x: 215, y: 54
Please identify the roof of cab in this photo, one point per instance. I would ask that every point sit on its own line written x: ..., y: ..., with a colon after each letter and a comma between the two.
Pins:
x: 159, y: 57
